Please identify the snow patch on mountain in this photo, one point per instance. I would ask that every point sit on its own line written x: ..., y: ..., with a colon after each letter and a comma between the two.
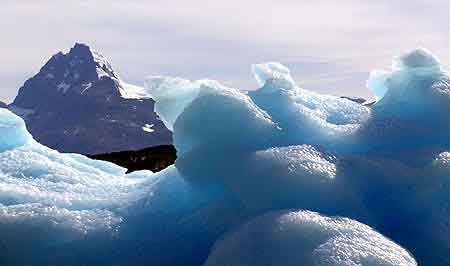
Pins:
x: 148, y: 128
x: 129, y: 91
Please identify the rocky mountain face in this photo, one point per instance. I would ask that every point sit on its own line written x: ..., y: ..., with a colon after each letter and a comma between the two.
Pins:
x: 76, y: 104
x: 3, y: 105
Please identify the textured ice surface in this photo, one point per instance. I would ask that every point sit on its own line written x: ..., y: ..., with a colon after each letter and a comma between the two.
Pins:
x: 304, y: 116
x: 54, y: 206
x: 414, y: 105
x: 13, y: 131
x: 306, y: 238
x: 242, y: 156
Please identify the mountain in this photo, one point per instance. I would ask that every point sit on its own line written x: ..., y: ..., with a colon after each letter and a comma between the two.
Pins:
x: 3, y: 105
x: 76, y: 103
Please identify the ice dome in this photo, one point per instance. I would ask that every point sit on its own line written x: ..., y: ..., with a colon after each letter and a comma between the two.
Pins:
x: 306, y: 238
x: 413, y: 106
x: 412, y: 73
x: 273, y: 72
x: 418, y: 58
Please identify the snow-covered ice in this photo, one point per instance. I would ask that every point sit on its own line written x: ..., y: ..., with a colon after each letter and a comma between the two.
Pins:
x: 276, y: 176
x: 306, y: 238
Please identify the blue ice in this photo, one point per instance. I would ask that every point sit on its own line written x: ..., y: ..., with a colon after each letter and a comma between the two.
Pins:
x: 276, y: 176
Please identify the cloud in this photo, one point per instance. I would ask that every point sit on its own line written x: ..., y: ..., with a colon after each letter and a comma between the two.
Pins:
x: 220, y: 39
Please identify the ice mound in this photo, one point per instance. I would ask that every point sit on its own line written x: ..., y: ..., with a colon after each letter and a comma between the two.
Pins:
x: 13, y: 131
x: 273, y: 72
x: 416, y: 82
x: 186, y: 108
x: 244, y: 159
x: 419, y: 62
x: 41, y: 186
x: 306, y: 238
x: 288, y: 177
x: 414, y: 101
x: 304, y: 116
x: 418, y: 59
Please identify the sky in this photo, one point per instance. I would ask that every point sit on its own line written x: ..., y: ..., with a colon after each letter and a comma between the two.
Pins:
x: 330, y: 46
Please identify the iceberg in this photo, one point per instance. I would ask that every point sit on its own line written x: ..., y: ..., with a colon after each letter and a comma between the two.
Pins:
x: 276, y: 176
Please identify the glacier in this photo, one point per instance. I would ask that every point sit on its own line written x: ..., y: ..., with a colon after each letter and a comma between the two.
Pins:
x: 276, y: 176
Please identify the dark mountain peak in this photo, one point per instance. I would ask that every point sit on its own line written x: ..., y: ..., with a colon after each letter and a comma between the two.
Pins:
x: 82, y: 56
x: 82, y: 51
x: 89, y: 55
x: 82, y: 72
x: 81, y: 48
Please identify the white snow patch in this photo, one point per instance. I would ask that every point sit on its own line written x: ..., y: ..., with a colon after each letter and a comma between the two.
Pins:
x: 148, y: 128
x: 99, y: 58
x: 85, y: 87
x: 63, y: 86
x: 129, y: 91
x: 104, y: 68
x: 101, y: 73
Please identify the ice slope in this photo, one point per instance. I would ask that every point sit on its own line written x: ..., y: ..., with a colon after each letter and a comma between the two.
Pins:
x: 245, y: 160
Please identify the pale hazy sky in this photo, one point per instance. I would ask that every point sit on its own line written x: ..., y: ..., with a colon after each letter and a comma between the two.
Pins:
x: 330, y: 46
